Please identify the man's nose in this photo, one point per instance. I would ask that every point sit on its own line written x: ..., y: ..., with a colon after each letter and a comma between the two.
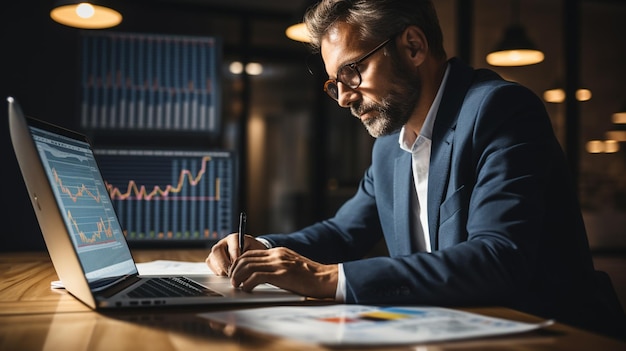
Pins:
x: 346, y: 95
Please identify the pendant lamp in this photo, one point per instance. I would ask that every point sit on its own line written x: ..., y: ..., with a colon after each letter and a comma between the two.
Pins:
x: 515, y: 49
x: 556, y: 94
x: 619, y: 117
x: 90, y: 14
x: 298, y: 32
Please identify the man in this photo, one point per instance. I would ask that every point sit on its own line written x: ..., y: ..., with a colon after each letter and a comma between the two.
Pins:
x: 468, y: 185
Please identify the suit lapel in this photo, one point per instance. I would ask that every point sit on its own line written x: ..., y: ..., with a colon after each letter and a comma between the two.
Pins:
x: 459, y: 80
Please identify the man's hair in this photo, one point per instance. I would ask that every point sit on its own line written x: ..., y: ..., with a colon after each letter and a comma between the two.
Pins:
x: 377, y: 20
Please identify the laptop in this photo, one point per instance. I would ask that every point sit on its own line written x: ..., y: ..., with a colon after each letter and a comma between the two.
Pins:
x: 83, y: 234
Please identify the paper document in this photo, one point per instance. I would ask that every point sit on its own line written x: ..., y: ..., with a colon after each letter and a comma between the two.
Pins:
x: 369, y: 325
x: 167, y: 267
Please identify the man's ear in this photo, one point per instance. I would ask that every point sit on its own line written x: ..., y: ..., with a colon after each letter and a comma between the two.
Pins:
x: 414, y: 44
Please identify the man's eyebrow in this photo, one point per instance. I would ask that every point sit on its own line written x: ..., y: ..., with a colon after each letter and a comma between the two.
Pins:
x: 343, y: 64
x: 349, y: 62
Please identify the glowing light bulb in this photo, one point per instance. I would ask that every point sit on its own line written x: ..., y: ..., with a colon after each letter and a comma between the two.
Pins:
x: 554, y: 95
x: 583, y: 94
x: 595, y: 146
x: 85, y: 10
x: 611, y: 146
x: 619, y: 118
x: 236, y: 67
x: 254, y: 68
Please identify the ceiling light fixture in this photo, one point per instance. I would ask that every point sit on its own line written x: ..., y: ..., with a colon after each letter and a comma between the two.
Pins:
x: 251, y: 68
x: 556, y: 94
x: 298, y: 32
x: 515, y: 49
x: 602, y: 146
x: 619, y: 117
x: 95, y: 14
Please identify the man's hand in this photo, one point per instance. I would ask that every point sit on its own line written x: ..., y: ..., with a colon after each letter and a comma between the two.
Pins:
x: 285, y: 269
x: 225, y: 252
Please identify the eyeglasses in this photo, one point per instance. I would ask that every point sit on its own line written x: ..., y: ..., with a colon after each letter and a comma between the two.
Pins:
x: 349, y: 74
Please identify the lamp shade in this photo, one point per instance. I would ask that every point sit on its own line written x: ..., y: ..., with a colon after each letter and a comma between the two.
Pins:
x: 515, y: 49
x: 619, y: 117
x: 298, y: 32
x: 94, y: 14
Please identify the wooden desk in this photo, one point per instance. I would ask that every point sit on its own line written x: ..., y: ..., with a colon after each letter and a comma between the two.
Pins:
x: 35, y: 317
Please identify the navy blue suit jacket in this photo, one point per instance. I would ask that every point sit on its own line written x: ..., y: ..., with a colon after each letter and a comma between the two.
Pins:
x: 504, y: 220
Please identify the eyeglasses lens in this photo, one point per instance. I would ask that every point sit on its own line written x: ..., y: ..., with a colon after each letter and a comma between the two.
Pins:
x: 350, y: 76
x: 331, y: 89
x: 347, y: 75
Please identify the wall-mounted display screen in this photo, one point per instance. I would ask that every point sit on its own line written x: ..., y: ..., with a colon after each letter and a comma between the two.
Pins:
x: 170, y: 194
x: 149, y: 82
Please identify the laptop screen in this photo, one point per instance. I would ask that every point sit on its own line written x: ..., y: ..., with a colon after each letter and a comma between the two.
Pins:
x: 84, y: 204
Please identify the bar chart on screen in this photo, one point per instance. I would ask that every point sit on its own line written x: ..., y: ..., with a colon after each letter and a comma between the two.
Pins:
x: 175, y: 195
x: 149, y: 82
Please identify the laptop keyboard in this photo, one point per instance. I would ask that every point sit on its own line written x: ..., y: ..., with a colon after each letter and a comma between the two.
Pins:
x: 171, y: 287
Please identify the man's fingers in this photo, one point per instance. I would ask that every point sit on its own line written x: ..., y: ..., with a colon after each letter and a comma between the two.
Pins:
x: 255, y: 279
x: 233, y: 250
x: 284, y: 268
x: 220, y: 258
x: 215, y: 265
x: 257, y: 267
x: 225, y: 253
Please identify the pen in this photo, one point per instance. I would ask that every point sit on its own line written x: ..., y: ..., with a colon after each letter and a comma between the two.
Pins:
x: 242, y: 231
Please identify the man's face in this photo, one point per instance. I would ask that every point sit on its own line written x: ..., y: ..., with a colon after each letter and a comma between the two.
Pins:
x: 389, y: 89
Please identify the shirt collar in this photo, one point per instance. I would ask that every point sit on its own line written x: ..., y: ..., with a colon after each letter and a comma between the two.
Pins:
x: 407, y: 138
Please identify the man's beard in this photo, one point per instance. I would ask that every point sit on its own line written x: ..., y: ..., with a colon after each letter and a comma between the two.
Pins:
x: 395, y: 109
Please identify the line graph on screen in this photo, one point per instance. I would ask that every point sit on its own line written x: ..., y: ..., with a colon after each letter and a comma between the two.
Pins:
x: 171, y: 194
x: 83, y: 197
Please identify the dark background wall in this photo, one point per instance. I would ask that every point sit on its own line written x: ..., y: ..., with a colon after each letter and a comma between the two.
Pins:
x: 36, y: 70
